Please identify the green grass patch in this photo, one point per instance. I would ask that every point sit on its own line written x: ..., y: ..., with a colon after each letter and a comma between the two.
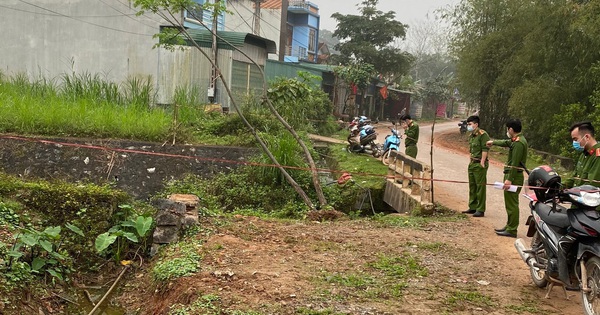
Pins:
x: 400, y: 267
x: 461, y: 300
x: 416, y: 222
x: 386, y: 277
x: 208, y: 304
x: 366, y: 170
x: 327, y: 311
x: 434, y: 247
x: 525, y: 307
x: 77, y: 110
x: 177, y: 260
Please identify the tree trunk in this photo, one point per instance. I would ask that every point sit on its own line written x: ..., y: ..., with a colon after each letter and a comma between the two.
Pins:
x: 264, y: 147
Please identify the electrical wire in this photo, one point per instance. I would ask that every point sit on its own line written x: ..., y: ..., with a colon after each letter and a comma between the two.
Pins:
x: 277, y: 29
x: 128, y: 16
x: 75, y: 16
x: 86, y: 22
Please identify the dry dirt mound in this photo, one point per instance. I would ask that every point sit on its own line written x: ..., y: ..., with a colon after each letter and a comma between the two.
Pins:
x: 400, y: 266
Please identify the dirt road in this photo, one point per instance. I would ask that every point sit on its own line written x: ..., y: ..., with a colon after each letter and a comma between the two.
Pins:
x: 450, y: 162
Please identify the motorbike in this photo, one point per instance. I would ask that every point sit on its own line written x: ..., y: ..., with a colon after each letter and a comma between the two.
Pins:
x: 361, y: 121
x: 564, y: 248
x: 391, y: 143
x: 463, y: 126
x: 366, y: 143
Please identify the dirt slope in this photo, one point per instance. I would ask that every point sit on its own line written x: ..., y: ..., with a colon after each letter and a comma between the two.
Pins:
x: 402, y: 266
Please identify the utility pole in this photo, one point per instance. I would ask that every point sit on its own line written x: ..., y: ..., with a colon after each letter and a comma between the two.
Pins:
x: 283, y: 29
x: 212, y: 87
x: 257, y: 16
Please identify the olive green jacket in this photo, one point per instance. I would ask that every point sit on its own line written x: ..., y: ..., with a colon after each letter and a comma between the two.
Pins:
x: 517, y: 155
x: 412, y: 134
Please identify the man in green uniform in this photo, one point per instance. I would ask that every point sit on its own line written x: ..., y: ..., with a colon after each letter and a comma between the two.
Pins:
x: 587, y: 170
x: 411, y: 130
x: 513, y: 174
x: 478, y: 167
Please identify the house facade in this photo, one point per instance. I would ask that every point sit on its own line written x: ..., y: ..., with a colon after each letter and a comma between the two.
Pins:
x: 300, y: 33
x: 50, y: 38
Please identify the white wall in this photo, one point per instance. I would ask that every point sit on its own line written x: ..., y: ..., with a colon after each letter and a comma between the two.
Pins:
x: 55, y: 37
x: 242, y: 20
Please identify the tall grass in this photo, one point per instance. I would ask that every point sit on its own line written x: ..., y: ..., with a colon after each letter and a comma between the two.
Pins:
x: 82, y: 105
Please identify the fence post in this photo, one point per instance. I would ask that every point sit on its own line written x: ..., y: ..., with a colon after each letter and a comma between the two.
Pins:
x: 405, y: 171
x: 426, y: 185
x: 415, y: 187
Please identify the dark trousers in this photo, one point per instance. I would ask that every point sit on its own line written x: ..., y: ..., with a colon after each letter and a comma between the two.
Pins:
x: 477, y: 186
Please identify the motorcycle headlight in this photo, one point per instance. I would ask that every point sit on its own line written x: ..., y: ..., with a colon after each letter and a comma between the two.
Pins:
x: 590, y: 199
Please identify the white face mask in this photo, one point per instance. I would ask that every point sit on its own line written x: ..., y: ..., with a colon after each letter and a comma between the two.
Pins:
x: 508, y: 134
x: 470, y: 128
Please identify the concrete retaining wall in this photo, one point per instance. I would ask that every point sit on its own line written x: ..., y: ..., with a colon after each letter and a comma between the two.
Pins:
x: 133, y: 169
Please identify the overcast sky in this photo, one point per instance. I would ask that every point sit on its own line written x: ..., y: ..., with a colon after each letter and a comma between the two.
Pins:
x: 407, y: 11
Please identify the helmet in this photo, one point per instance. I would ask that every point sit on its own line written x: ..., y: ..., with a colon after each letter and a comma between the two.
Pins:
x: 545, y: 182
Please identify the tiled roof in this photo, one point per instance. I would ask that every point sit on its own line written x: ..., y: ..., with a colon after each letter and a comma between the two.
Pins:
x: 271, y: 4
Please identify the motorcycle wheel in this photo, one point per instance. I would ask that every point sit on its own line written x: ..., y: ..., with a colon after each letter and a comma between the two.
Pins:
x: 376, y: 150
x: 386, y: 157
x: 591, y: 299
x: 538, y: 275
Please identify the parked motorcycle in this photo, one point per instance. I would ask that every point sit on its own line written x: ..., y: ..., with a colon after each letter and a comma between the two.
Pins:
x: 366, y: 143
x: 391, y: 143
x: 463, y: 126
x: 565, y: 248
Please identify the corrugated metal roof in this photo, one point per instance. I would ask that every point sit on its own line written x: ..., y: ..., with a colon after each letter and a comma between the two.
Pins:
x: 276, y: 66
x: 230, y: 40
x: 271, y: 4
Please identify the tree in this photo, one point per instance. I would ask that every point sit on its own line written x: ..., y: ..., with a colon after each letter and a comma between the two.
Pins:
x: 355, y: 74
x: 483, y: 44
x: 170, y: 10
x: 368, y: 38
x: 523, y: 59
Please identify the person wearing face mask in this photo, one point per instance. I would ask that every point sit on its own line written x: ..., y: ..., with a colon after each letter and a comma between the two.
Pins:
x: 478, y: 167
x: 587, y: 170
x: 513, y: 174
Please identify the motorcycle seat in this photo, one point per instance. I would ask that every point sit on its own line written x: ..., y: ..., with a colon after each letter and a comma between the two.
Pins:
x: 555, y: 218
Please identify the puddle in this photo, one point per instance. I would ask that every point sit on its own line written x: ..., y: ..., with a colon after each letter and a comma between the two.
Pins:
x: 84, y: 299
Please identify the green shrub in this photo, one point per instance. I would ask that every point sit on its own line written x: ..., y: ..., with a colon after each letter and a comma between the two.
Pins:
x: 91, y: 207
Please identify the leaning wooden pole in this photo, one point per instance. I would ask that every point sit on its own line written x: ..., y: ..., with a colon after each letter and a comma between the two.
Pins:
x: 431, y: 153
x: 112, y: 287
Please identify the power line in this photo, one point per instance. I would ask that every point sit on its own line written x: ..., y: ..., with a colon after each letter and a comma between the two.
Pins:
x: 76, y: 16
x: 149, y: 17
x: 128, y: 16
x: 240, y: 15
x: 277, y: 29
x: 86, y: 22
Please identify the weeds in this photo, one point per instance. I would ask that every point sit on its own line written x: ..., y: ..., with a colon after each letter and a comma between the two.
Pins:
x: 208, y: 304
x: 177, y: 260
x: 458, y: 300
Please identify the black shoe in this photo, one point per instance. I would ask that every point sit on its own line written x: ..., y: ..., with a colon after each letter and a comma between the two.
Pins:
x: 505, y: 233
x: 469, y: 211
x: 478, y: 214
x: 500, y: 230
